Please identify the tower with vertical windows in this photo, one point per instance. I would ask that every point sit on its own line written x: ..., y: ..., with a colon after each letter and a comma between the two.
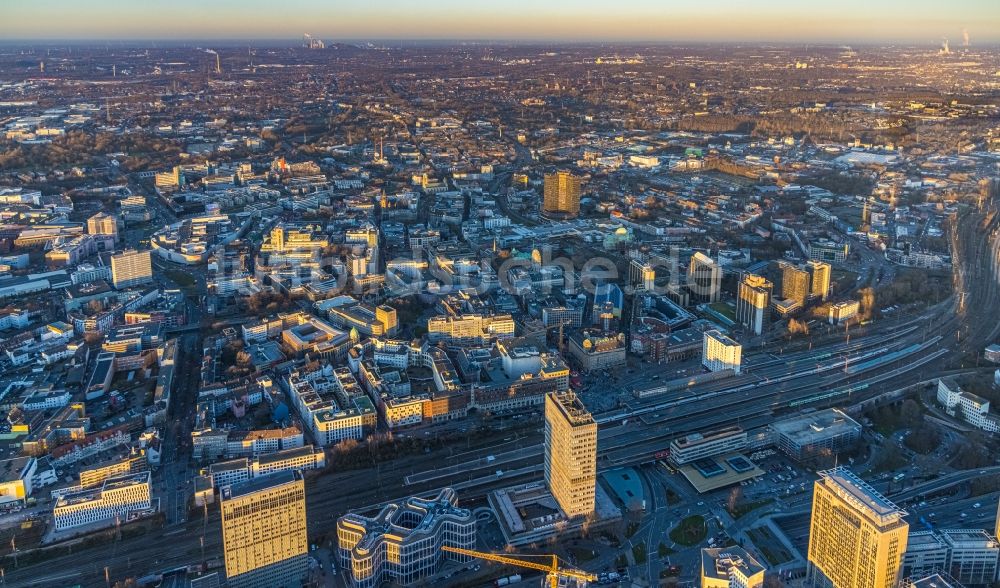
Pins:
x: 857, y: 537
x: 264, y: 531
x: 562, y: 194
x: 752, y: 305
x: 570, y: 453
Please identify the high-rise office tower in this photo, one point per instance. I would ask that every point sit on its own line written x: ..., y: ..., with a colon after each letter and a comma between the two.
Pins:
x: 752, y: 304
x: 819, y: 278
x: 131, y: 268
x: 704, y: 278
x: 642, y: 275
x: 562, y: 193
x: 857, y: 537
x: 570, y: 453
x: 264, y: 531
x: 795, y: 283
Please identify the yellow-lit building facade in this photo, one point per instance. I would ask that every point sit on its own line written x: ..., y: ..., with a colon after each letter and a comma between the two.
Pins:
x: 857, y: 537
x: 819, y: 278
x: 562, y: 193
x: 795, y: 283
x: 264, y: 531
x: 131, y: 268
x: 570, y: 453
x: 730, y: 567
x: 752, y: 305
x: 719, y: 352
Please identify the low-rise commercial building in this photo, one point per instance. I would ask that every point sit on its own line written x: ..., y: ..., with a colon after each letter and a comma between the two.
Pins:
x: 374, y: 321
x: 469, y: 329
x: 330, y: 418
x: 316, y: 337
x: 15, y: 481
x: 299, y: 458
x: 234, y: 471
x: 970, y: 556
x: 227, y: 473
x: 973, y: 555
x: 516, y: 376
x: 132, y: 464
x: 813, y: 434
x: 829, y: 251
x: 212, y: 444
x: 696, y: 446
x: 730, y: 567
x: 971, y: 408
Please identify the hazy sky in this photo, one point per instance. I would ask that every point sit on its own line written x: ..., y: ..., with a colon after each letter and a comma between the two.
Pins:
x: 924, y: 21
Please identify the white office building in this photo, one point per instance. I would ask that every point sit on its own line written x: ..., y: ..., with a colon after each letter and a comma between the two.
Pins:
x: 971, y: 408
x: 116, y: 498
x: 719, y: 352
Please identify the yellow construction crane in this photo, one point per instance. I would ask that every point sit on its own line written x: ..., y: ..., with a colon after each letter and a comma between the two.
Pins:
x: 553, y: 569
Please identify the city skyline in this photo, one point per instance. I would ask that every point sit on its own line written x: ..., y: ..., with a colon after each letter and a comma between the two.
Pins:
x: 520, y: 21
x: 644, y: 295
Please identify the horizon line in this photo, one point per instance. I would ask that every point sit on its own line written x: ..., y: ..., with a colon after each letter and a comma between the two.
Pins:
x: 506, y: 41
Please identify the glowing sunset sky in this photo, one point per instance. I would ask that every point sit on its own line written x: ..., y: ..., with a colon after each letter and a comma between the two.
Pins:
x: 836, y: 21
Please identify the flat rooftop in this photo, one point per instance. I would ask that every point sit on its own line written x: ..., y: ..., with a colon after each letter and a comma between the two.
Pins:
x: 291, y: 453
x: 529, y: 513
x: 708, y: 436
x: 227, y: 466
x: 816, y: 426
x: 721, y: 338
x: 937, y: 580
x: 706, y: 479
x: 716, y: 563
x: 923, y: 541
x: 10, y: 469
x: 261, y: 483
x: 854, y: 488
x: 572, y: 408
x: 626, y: 485
x: 975, y: 536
